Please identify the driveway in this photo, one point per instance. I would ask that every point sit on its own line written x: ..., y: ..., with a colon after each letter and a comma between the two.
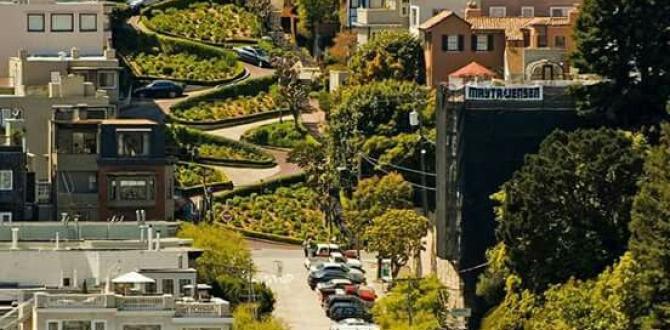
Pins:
x: 280, y: 266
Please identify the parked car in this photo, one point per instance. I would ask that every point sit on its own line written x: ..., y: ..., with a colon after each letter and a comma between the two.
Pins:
x: 136, y: 5
x: 253, y: 55
x: 340, y: 297
x: 327, y: 288
x: 353, y: 324
x: 346, y: 310
x: 320, y: 253
x: 160, y: 88
x: 326, y: 275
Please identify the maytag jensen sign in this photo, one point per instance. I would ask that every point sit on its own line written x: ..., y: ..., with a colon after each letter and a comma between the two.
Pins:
x: 507, y: 93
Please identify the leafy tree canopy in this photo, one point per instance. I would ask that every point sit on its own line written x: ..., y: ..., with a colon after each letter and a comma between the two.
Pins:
x: 566, y: 211
x: 389, y: 55
x: 628, y: 42
x: 244, y: 319
x: 423, y: 296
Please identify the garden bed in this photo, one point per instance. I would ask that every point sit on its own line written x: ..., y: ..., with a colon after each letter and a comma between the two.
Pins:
x: 189, y: 178
x: 151, y: 56
x: 287, y: 211
x: 216, y: 150
x: 228, y: 108
x: 281, y: 135
x: 206, y: 22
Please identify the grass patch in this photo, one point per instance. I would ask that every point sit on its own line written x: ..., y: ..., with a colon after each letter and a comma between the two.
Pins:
x: 214, y: 23
x: 288, y: 211
x: 283, y: 135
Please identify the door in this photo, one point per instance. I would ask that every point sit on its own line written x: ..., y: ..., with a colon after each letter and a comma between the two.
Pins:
x: 548, y: 72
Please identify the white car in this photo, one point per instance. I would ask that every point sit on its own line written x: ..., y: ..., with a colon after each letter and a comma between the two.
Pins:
x: 353, y: 324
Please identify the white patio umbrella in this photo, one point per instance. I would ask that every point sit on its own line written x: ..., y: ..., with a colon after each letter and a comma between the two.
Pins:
x: 132, y: 278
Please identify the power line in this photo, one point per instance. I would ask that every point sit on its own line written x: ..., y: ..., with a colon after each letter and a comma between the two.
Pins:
x: 411, y: 183
x: 473, y: 268
x: 375, y: 161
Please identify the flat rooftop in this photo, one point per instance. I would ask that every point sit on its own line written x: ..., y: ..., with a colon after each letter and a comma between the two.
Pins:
x: 166, y: 244
x: 45, y: 231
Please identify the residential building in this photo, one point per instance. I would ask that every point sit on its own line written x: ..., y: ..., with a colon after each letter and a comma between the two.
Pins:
x: 48, y: 27
x: 421, y: 10
x: 16, y: 183
x: 369, y: 17
x: 528, y: 8
x: 516, y: 48
x: 104, y: 168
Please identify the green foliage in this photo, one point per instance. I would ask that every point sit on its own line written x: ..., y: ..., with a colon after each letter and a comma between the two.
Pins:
x: 235, y: 289
x: 224, y: 252
x: 211, y: 146
x: 397, y: 234
x: 215, y: 23
x: 248, y: 87
x: 491, y: 283
x: 514, y: 311
x: 227, y: 108
x: 191, y: 175
x: 650, y: 241
x: 566, y: 211
x: 361, y: 111
x: 389, y: 55
x: 312, y: 13
x: 372, y: 197
x: 391, y: 311
x: 283, y: 135
x: 288, y: 211
x: 244, y: 320
x: 612, y: 43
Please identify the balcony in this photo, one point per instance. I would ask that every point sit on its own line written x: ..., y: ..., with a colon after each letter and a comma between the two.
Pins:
x: 181, y: 309
x: 379, y: 16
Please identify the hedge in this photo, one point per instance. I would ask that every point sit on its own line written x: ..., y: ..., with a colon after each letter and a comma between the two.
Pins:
x: 197, y: 190
x: 209, y: 125
x: 185, y: 135
x: 247, y: 87
x: 261, y: 187
x: 265, y: 236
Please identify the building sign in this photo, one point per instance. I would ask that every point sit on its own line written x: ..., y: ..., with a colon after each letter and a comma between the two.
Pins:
x: 506, y: 93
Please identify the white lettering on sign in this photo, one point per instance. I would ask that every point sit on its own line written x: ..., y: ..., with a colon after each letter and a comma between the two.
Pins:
x: 508, y: 93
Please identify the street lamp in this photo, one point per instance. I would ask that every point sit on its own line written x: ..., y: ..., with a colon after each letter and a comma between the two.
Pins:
x: 415, y: 122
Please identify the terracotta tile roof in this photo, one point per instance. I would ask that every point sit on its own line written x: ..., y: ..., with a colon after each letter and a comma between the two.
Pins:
x: 552, y: 21
x: 510, y: 25
x: 436, y: 19
x: 473, y: 69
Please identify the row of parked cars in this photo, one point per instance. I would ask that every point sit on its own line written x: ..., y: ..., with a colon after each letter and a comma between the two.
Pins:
x: 339, y: 279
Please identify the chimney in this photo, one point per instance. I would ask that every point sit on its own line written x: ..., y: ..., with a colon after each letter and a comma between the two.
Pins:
x: 472, y: 10
x: 150, y: 236
x: 15, y: 238
x: 74, y: 53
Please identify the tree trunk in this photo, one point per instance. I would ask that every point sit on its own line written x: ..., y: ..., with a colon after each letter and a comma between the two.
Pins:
x: 315, y: 46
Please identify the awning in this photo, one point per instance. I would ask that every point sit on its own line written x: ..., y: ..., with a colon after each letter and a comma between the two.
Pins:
x: 132, y: 278
x: 473, y: 69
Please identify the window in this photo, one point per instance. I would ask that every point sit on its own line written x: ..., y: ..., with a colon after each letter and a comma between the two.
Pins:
x: 35, y: 22
x: 132, y: 189
x: 559, y: 41
x: 528, y: 11
x: 414, y: 15
x: 150, y: 288
x: 452, y: 43
x: 92, y: 182
x: 43, y: 190
x: 84, y: 143
x: 6, y: 182
x: 182, y: 283
x: 559, y: 11
x: 141, y: 327
x: 88, y: 22
x: 52, y: 325
x: 168, y: 285
x: 66, y: 283
x: 481, y: 42
x: 133, y: 143
x: 498, y: 11
x: 107, y: 80
x: 62, y: 23
x: 99, y: 325
x: 5, y: 217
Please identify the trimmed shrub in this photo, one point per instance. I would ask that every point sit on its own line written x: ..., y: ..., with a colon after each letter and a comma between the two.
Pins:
x: 283, y: 135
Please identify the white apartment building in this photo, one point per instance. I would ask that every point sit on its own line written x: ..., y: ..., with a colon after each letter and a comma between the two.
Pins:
x: 421, y: 10
x: 48, y: 27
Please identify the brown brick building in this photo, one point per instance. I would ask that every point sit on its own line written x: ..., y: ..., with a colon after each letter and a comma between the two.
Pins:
x: 515, y: 48
x: 528, y: 8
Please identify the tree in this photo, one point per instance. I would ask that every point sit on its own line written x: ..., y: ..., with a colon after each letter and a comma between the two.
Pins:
x: 612, y: 43
x: 421, y: 297
x: 224, y: 252
x: 565, y: 212
x: 292, y: 93
x: 263, y: 9
x: 244, y: 319
x: 313, y: 13
x: 397, y: 234
x: 389, y: 55
x: 650, y: 237
x: 372, y: 197
x: 343, y: 47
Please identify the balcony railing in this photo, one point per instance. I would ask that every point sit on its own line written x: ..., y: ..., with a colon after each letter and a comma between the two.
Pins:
x: 194, y: 309
x: 382, y: 16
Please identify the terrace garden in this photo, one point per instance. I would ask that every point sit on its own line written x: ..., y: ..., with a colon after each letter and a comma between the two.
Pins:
x: 283, y: 135
x: 191, y: 175
x: 288, y: 211
x: 207, y: 22
x: 227, y: 108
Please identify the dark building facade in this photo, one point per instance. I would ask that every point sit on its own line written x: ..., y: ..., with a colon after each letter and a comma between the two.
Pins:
x: 15, y: 197
x: 480, y: 144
